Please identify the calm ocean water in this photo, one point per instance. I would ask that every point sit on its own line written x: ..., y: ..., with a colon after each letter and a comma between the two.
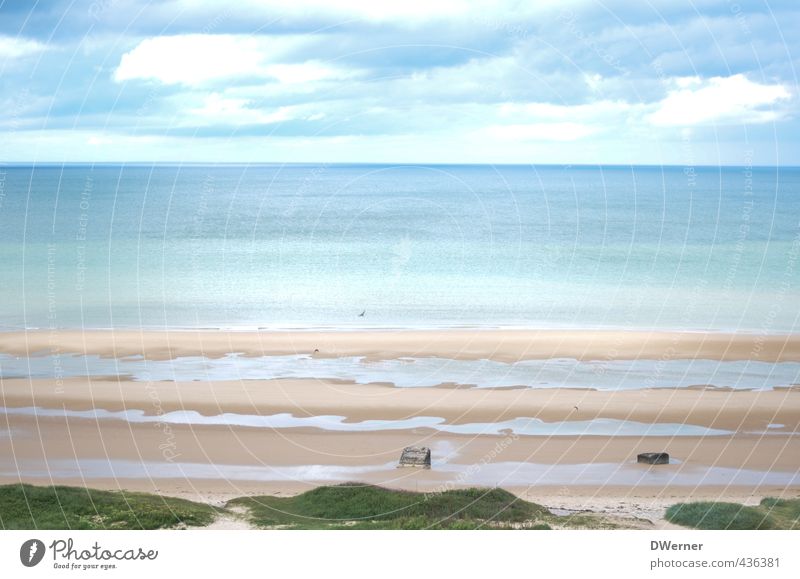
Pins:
x: 314, y: 246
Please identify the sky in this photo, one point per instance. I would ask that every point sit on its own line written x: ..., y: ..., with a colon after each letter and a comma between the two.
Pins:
x: 436, y: 81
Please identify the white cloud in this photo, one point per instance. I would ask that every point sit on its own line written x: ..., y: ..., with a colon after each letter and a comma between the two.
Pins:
x: 443, y: 147
x: 308, y: 71
x: 378, y: 11
x: 218, y: 109
x: 406, y: 12
x: 593, y: 111
x: 195, y: 59
x: 553, y: 122
x: 97, y: 140
x: 687, y: 81
x: 540, y: 131
x: 11, y: 47
x: 721, y: 100
x: 593, y: 81
x: 692, y: 101
x: 191, y: 58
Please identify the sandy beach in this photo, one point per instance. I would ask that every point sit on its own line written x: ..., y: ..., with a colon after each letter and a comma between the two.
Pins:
x: 216, y: 445
x: 466, y: 344
x: 333, y: 252
x: 730, y: 410
x: 229, y: 450
x: 755, y: 456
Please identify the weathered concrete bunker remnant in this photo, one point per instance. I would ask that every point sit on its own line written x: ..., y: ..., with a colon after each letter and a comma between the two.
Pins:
x: 653, y: 458
x: 415, y: 456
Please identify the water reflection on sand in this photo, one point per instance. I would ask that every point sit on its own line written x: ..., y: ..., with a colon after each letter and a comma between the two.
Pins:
x: 501, y: 473
x: 420, y: 372
x: 521, y: 426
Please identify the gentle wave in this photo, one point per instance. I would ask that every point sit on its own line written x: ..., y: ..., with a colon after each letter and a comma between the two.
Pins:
x: 520, y: 426
x: 314, y: 246
x: 501, y: 473
x: 421, y: 372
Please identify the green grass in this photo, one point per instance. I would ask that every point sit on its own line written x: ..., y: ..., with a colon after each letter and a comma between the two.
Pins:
x: 771, y: 513
x: 784, y: 512
x: 348, y: 506
x: 25, y: 506
x: 358, y: 506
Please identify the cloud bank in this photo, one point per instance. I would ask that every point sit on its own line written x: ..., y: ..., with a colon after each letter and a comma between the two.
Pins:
x: 452, y: 81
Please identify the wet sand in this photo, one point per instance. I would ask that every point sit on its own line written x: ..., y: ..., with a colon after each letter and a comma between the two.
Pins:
x: 82, y: 440
x: 462, y: 344
x: 730, y: 410
x: 40, y: 450
x: 55, y: 438
x: 45, y: 448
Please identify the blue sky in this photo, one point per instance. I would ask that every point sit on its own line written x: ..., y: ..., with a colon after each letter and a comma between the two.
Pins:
x: 434, y: 81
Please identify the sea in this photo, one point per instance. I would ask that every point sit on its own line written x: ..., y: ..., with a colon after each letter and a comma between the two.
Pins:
x: 399, y: 246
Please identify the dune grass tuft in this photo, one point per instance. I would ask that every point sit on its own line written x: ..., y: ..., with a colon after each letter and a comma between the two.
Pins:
x: 359, y: 506
x: 771, y: 513
x: 25, y: 506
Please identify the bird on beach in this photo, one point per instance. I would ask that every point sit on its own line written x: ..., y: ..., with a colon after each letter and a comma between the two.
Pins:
x: 361, y: 315
x: 575, y: 408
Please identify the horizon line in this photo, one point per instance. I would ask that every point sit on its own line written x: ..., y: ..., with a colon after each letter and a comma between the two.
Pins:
x: 381, y: 164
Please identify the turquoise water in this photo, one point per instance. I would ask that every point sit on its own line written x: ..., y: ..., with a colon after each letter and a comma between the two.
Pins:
x: 496, y: 473
x: 611, y: 375
x: 521, y: 426
x: 314, y: 246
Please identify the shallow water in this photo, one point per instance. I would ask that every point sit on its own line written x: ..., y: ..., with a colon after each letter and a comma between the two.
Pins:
x: 304, y: 245
x: 503, y: 473
x: 524, y: 473
x: 101, y: 468
x: 519, y: 426
x: 420, y: 372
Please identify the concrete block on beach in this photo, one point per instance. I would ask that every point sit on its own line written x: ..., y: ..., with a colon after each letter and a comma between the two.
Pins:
x: 653, y: 458
x: 415, y: 456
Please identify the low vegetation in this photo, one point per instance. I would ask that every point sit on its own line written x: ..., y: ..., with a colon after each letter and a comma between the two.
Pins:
x: 358, y: 506
x: 25, y: 506
x: 771, y: 513
x: 353, y: 506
